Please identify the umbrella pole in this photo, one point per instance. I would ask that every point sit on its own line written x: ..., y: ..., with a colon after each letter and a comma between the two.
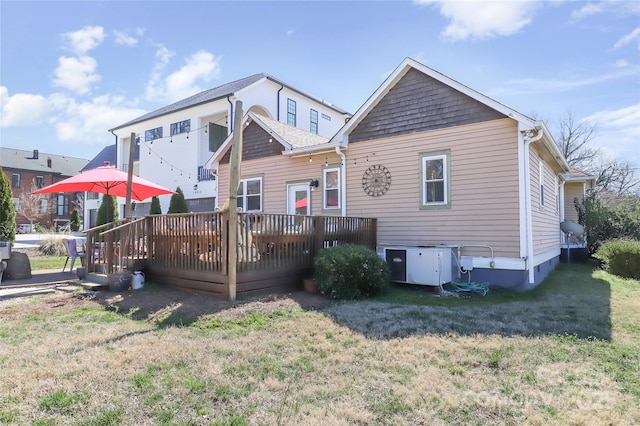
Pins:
x: 132, y: 152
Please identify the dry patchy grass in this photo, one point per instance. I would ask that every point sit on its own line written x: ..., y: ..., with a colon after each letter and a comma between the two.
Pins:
x: 564, y: 354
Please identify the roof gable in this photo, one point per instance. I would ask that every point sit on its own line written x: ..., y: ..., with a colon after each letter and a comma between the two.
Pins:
x: 397, y: 75
x: 262, y: 131
x: 418, y: 103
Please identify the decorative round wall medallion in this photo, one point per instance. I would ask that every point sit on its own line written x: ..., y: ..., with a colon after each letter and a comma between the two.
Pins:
x: 376, y: 180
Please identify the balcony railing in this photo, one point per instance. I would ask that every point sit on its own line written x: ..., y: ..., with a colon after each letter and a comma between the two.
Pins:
x: 205, y: 174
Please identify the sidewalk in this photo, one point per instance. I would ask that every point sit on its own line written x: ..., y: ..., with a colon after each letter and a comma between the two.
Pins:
x: 43, y: 277
x: 45, y: 281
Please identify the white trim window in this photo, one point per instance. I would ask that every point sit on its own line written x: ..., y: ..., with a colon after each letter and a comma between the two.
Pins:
x: 435, y: 180
x: 250, y: 195
x: 291, y: 112
x: 331, y: 189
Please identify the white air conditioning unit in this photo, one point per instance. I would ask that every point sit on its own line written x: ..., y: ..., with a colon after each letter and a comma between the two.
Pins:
x: 420, y: 265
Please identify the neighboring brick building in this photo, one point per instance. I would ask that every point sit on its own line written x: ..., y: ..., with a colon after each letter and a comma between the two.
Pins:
x: 25, y: 168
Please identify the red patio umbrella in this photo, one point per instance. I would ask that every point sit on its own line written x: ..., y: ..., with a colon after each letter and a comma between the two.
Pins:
x: 107, y: 180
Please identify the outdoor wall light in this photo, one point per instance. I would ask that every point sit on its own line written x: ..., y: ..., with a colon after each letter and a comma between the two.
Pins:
x: 314, y: 184
x: 195, y: 187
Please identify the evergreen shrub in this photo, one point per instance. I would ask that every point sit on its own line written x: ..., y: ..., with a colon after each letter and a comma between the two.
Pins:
x: 350, y: 272
x: 621, y: 257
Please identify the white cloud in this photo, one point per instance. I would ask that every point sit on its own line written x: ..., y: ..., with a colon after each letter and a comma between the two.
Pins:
x: 629, y: 38
x: 22, y: 109
x: 201, y: 66
x: 588, y: 9
x: 123, y: 38
x: 74, y: 122
x: 483, y: 19
x: 88, y: 122
x: 618, y: 132
x: 592, y: 8
x: 76, y: 74
x: 154, y: 90
x: 536, y: 85
x: 83, y: 40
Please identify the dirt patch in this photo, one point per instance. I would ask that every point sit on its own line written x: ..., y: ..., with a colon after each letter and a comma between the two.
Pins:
x: 161, y: 305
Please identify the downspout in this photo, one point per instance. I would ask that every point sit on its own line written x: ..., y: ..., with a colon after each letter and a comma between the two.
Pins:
x: 231, y: 114
x: 528, y: 212
x: 343, y: 182
x: 561, y: 208
x: 278, y: 105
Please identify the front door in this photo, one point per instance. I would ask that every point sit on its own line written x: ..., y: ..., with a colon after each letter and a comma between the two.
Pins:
x: 298, y: 199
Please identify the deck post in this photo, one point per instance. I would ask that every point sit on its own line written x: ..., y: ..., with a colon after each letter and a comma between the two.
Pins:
x: 234, y: 181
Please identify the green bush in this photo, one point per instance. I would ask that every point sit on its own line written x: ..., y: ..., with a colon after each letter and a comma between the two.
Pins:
x: 608, y: 219
x: 621, y: 257
x: 350, y: 272
x: 75, y: 220
x: 177, y: 203
x: 108, y: 210
x: 155, y: 206
x: 7, y: 210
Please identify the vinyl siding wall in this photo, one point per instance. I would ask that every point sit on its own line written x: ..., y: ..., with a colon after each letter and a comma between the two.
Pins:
x: 545, y: 219
x: 572, y: 190
x: 277, y: 172
x: 483, y: 183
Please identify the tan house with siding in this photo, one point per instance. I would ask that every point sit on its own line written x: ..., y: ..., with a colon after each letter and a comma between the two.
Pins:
x: 463, y: 187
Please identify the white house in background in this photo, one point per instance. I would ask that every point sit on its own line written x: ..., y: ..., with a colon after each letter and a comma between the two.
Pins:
x: 176, y: 141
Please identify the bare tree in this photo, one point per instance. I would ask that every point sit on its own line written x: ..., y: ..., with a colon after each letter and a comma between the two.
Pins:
x: 574, y: 140
x: 613, y: 177
x: 34, y: 206
x: 617, y: 178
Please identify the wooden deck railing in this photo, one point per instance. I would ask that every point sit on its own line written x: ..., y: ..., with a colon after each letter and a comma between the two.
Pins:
x: 199, y: 241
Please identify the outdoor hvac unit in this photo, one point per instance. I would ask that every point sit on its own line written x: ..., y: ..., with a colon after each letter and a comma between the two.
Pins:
x: 420, y: 265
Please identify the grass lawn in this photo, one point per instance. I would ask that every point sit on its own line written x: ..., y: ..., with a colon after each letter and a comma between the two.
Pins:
x: 567, y: 352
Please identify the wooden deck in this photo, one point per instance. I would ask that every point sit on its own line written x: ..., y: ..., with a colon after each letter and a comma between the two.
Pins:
x: 190, y: 251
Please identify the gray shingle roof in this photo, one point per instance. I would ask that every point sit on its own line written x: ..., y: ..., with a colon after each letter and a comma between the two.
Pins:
x: 11, y: 158
x: 215, y: 94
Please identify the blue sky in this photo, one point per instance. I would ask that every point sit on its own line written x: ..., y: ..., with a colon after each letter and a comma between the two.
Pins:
x: 69, y: 71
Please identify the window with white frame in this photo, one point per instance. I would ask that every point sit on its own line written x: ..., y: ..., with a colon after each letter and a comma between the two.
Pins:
x: 331, y: 180
x: 313, y: 122
x: 291, y: 112
x: 92, y: 195
x: 435, y: 179
x: 15, y: 180
x: 152, y: 134
x: 39, y: 181
x: 180, y: 127
x: 250, y: 195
